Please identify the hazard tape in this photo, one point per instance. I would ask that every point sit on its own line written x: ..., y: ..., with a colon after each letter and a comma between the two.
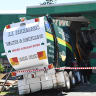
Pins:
x: 62, y: 68
x: 33, y: 70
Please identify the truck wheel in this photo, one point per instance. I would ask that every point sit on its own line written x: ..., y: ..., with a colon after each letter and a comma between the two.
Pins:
x: 72, y: 78
x: 67, y: 81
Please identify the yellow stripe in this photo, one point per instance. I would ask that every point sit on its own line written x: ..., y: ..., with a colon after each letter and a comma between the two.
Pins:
x: 64, y: 43
x: 60, y: 41
x: 49, y: 36
x: 78, y: 50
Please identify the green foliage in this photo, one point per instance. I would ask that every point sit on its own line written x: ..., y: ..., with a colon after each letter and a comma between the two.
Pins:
x: 1, y: 68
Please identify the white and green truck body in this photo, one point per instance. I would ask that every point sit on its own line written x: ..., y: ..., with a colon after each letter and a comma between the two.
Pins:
x: 36, y: 49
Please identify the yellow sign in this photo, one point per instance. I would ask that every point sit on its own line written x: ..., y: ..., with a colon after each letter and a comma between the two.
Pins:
x: 63, y: 57
x: 41, y: 55
x: 14, y: 61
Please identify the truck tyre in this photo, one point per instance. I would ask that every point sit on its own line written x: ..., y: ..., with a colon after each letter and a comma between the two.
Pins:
x: 67, y: 81
x: 72, y: 78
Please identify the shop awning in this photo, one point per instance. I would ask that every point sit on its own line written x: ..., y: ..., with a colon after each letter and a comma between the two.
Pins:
x: 60, y: 9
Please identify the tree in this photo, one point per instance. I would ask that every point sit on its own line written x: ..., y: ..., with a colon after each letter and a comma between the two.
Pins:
x: 48, y: 2
x: 1, y: 68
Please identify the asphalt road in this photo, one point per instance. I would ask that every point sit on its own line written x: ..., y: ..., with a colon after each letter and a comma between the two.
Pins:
x: 80, y: 90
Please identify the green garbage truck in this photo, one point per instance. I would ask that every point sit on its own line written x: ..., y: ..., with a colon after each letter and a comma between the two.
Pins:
x: 40, y: 51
